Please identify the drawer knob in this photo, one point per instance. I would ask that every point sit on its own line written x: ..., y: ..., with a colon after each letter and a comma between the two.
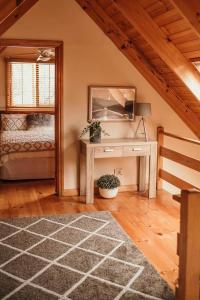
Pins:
x: 137, y: 149
x: 108, y: 150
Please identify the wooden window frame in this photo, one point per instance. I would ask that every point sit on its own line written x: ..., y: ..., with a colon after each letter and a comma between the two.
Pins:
x: 9, y: 105
x: 59, y: 148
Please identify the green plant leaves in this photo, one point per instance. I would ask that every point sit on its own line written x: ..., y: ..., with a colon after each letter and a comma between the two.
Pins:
x: 108, y: 182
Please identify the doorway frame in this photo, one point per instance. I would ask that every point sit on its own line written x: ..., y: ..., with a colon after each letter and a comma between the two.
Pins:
x: 58, y: 45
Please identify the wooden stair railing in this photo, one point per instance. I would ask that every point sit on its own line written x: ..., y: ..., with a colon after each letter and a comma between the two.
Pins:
x: 188, y: 246
x: 188, y: 240
x: 172, y: 155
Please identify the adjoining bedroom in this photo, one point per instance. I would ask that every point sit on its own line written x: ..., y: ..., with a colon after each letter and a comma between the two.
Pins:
x: 27, y: 111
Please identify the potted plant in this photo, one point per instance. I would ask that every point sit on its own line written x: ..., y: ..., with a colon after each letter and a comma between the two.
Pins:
x: 94, y: 128
x: 108, y: 186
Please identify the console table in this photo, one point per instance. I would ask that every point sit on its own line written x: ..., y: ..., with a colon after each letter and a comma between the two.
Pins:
x: 117, y: 148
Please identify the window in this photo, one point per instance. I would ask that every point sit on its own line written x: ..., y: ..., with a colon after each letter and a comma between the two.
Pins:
x: 196, y: 63
x: 31, y: 85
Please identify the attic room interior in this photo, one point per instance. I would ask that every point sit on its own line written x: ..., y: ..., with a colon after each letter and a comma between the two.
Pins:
x: 99, y: 149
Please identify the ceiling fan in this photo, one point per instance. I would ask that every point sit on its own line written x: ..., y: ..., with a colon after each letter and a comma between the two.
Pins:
x: 45, y: 54
x: 42, y: 54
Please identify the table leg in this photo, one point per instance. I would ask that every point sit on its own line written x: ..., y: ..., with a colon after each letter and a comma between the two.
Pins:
x: 90, y: 176
x: 142, y: 173
x: 82, y: 175
x: 152, y: 171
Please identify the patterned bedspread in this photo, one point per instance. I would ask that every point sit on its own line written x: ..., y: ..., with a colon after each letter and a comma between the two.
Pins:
x: 26, y: 141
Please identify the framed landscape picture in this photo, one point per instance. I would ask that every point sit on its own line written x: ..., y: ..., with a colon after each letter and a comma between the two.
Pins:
x: 111, y: 103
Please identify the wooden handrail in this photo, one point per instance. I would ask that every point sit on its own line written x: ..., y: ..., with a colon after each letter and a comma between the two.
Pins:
x: 172, y: 179
x: 181, y: 138
x: 177, y: 157
x: 180, y: 158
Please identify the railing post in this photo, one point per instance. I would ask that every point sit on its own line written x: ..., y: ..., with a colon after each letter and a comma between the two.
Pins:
x: 189, y: 247
x: 160, y: 139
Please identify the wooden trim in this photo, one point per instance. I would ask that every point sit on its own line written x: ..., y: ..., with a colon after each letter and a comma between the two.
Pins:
x: 28, y: 60
x: 190, y: 10
x: 129, y: 188
x: 123, y: 188
x: 179, y: 183
x: 196, y: 142
x: 59, y: 120
x: 27, y: 43
x: 189, y: 247
x: 70, y: 192
x: 127, y: 47
x: 58, y: 45
x: 16, y: 14
x: 160, y: 139
x: 26, y: 110
x: 159, y: 41
x: 180, y: 158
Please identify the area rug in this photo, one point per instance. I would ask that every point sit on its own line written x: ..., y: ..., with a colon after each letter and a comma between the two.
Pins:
x: 80, y: 257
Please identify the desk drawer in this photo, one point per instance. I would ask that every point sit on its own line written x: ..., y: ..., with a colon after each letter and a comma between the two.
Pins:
x: 136, y: 150
x: 108, y: 151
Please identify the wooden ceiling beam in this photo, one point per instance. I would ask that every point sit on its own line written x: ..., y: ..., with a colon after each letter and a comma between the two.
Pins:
x: 127, y: 47
x: 2, y: 49
x: 158, y: 40
x: 6, y: 6
x: 16, y: 14
x: 190, y: 11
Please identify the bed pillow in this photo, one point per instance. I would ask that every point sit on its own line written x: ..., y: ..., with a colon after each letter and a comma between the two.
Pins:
x: 40, y: 121
x: 13, y: 122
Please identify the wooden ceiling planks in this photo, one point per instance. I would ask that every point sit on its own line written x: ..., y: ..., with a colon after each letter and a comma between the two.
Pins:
x: 156, y: 8
x: 129, y: 48
x: 167, y: 17
x: 179, y: 30
x: 190, y: 11
x: 145, y: 25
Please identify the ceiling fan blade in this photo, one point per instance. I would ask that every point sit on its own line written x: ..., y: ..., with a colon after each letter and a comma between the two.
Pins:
x: 24, y: 54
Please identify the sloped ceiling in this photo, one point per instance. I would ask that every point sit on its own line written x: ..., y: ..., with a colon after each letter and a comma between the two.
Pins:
x: 161, y: 38
x: 160, y: 41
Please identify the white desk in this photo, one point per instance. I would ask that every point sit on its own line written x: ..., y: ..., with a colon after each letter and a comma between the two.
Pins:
x: 117, y: 148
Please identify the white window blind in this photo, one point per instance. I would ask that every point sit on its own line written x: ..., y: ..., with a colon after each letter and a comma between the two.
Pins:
x: 31, y: 84
x: 46, y: 84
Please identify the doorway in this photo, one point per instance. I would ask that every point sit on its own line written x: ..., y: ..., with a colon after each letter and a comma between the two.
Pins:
x: 38, y: 57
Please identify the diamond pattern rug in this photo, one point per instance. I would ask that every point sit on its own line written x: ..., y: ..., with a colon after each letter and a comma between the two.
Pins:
x: 79, y: 257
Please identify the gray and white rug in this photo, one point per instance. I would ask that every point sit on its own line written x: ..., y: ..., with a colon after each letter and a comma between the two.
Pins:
x: 79, y: 257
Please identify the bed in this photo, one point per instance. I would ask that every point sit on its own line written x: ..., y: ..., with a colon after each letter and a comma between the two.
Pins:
x: 27, y: 154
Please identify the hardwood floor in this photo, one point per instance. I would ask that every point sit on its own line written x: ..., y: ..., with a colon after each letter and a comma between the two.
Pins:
x: 151, y: 224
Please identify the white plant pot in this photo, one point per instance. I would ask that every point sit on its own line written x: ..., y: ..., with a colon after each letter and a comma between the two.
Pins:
x: 108, y: 193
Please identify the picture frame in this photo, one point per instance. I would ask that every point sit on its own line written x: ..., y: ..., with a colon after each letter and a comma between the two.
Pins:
x: 111, y: 103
